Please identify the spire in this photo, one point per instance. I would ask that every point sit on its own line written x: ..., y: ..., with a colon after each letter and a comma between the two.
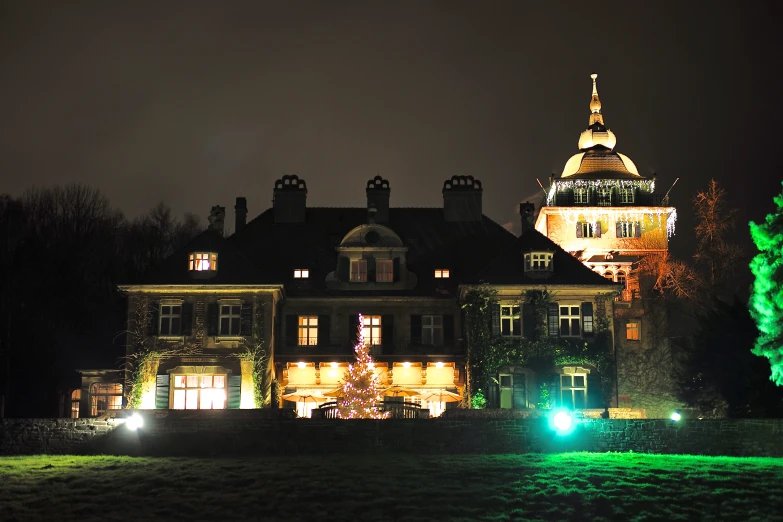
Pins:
x: 595, y: 104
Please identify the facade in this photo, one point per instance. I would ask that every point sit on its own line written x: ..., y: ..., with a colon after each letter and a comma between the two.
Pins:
x: 608, y: 215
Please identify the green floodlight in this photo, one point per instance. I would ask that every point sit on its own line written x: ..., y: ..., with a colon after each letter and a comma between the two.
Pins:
x: 676, y: 416
x: 562, y: 421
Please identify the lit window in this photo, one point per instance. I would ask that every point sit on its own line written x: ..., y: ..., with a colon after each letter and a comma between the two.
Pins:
x: 625, y: 229
x: 510, y: 324
x: 609, y: 275
x: 230, y: 317
x: 632, y: 331
x: 199, y: 392
x: 625, y: 195
x: 202, y: 261
x: 573, y: 390
x: 604, y: 196
x: 442, y: 274
x: 359, y: 270
x: 170, y: 320
x: 621, y: 278
x: 371, y: 329
x: 76, y: 397
x: 384, y: 270
x: 570, y: 323
x: 580, y: 196
x: 308, y: 330
x: 105, y: 397
x: 538, y: 262
x: 301, y: 273
x: 432, y: 330
x: 587, y: 230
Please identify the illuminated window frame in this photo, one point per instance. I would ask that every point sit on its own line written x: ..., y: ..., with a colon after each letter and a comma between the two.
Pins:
x: 633, y: 331
x: 358, y: 271
x: 572, y: 387
x: 372, y: 329
x: 307, y: 330
x: 230, y: 313
x: 198, y: 392
x: 442, y: 273
x: 565, y: 312
x: 384, y: 270
x: 510, y: 320
x: 170, y: 319
x: 76, y: 398
x: 301, y: 273
x: 432, y: 330
x: 538, y: 261
x: 202, y: 262
x: 105, y: 396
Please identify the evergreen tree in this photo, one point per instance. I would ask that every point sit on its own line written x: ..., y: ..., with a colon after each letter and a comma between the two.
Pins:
x: 766, y: 300
x: 360, y: 392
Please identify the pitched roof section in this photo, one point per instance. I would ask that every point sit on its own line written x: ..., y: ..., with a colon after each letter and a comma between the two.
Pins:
x: 508, y: 267
x: 233, y: 267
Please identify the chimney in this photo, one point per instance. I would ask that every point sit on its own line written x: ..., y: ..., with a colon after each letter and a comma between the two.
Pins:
x: 290, y: 199
x: 217, y: 217
x: 462, y: 199
x: 527, y: 212
x: 378, y: 198
x: 240, y: 213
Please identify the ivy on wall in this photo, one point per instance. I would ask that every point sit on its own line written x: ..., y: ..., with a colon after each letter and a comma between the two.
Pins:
x: 259, y: 359
x: 486, y: 353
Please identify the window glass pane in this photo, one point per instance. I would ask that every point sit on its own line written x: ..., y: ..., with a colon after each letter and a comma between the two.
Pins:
x: 575, y: 310
x: 191, y: 399
x: 505, y: 381
x: 175, y: 325
x: 426, y: 320
x: 505, y: 310
x: 574, y: 327
x: 579, y: 381
x: 206, y: 381
x: 505, y: 326
x: 236, y: 309
x: 164, y: 326
x: 564, y: 330
x: 567, y: 399
x: 516, y: 326
x: 179, y: 381
x: 376, y: 320
x: 224, y: 326
x: 579, y: 399
x: 565, y: 381
x: 437, y: 320
x: 563, y: 310
x: 234, y: 326
x: 220, y: 381
x: 192, y: 381
x: 225, y: 310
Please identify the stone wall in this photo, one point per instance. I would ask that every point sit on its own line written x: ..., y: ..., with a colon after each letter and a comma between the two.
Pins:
x: 256, y: 432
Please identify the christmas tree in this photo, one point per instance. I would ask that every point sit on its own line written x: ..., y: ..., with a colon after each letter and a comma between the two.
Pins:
x: 766, y: 301
x: 360, y: 393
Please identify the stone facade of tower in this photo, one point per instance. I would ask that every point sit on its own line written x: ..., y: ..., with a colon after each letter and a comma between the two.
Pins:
x: 602, y: 211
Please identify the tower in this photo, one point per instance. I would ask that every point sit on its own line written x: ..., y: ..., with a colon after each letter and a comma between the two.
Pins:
x: 604, y: 212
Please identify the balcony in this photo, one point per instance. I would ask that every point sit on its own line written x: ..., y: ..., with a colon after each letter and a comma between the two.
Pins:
x: 343, y: 347
x: 565, y: 198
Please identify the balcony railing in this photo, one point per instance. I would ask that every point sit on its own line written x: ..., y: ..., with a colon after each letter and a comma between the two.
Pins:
x: 345, y: 346
x: 565, y: 198
x: 396, y: 409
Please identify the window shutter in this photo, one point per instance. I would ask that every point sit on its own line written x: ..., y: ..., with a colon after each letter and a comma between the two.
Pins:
x: 593, y: 398
x: 162, y: 392
x: 597, y: 229
x: 528, y: 321
x: 553, y: 320
x: 233, y: 392
x: 396, y: 265
x: 291, y: 330
x: 495, y: 318
x: 448, y: 330
x: 324, y: 330
x: 187, y: 319
x: 212, y: 319
x: 246, y: 319
x: 618, y: 229
x: 387, y: 333
x: 153, y: 323
x: 416, y: 329
x: 579, y: 230
x: 353, y: 329
x: 588, y: 327
x: 637, y: 230
x: 343, y: 268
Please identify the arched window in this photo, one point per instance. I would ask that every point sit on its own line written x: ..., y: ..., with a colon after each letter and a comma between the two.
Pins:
x: 609, y: 275
x: 76, y: 397
x: 621, y: 278
x: 105, y: 396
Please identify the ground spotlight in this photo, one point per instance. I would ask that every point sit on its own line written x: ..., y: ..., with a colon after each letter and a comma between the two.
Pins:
x: 676, y: 416
x: 134, y: 422
x: 562, y: 421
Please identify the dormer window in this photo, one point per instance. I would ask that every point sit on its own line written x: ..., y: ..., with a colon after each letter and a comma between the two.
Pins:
x: 202, y: 261
x: 442, y: 274
x: 359, y: 271
x: 301, y: 273
x: 538, y: 262
x: 625, y: 195
x: 580, y: 196
x: 384, y: 271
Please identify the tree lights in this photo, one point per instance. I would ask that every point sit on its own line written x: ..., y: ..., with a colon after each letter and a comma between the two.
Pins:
x: 766, y: 300
x: 360, y: 394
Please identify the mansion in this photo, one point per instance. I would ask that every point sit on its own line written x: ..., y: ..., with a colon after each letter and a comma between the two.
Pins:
x: 238, y: 321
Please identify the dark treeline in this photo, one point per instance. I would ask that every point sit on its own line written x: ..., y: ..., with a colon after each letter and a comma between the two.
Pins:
x: 63, y: 251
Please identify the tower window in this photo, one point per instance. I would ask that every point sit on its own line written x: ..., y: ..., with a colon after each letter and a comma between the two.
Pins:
x: 580, y: 196
x: 442, y: 274
x: 301, y: 273
x: 384, y: 270
x: 625, y: 195
x: 538, y: 262
x: 202, y: 261
x: 359, y: 270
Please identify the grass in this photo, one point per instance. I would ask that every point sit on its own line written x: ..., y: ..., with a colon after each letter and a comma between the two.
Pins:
x: 565, y: 486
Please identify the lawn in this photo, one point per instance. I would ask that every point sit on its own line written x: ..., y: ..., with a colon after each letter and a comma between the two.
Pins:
x: 566, y: 486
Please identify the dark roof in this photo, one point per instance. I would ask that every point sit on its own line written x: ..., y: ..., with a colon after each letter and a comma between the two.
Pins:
x: 233, y: 267
x: 265, y: 252
x: 508, y: 267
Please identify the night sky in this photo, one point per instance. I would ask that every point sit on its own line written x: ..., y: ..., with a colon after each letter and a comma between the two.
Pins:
x: 195, y: 104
